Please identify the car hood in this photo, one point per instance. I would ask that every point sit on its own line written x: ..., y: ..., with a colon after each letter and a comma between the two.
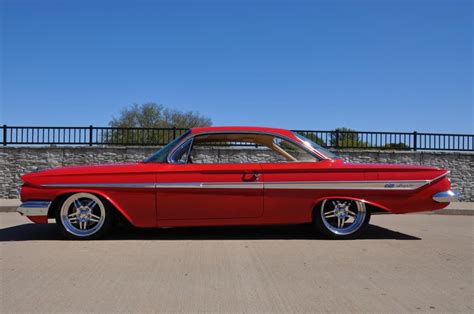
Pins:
x: 37, y: 177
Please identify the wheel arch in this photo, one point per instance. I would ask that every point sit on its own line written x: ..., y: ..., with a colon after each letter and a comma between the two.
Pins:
x: 372, y: 206
x: 59, y: 199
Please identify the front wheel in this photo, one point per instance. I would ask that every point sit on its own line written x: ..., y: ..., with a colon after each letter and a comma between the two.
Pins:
x: 341, y: 218
x: 83, y: 216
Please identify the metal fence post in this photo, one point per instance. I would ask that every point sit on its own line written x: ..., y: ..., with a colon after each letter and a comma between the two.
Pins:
x: 174, y: 132
x: 415, y: 144
x: 90, y: 135
x: 4, y: 135
x: 337, y: 139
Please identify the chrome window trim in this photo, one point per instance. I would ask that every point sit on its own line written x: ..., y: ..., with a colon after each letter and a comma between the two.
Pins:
x: 184, y: 135
x: 174, y: 151
x: 314, y: 153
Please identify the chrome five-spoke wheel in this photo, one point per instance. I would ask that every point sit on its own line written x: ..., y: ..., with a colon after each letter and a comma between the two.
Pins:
x: 342, y: 218
x: 82, y: 216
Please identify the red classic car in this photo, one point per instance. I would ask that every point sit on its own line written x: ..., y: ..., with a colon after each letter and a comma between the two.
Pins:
x: 232, y: 176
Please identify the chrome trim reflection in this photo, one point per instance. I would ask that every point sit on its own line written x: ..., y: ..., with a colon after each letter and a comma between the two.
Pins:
x: 301, y: 185
x: 102, y: 185
x: 170, y: 185
x: 232, y: 185
x: 446, y: 196
x: 211, y: 185
x: 441, y: 176
x: 34, y: 208
x: 348, y: 185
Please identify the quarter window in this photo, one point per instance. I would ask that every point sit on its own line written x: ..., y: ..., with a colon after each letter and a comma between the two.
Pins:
x: 293, y: 150
x: 181, y: 155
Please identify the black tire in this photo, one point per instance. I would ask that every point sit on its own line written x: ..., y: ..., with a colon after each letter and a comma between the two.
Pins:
x: 321, y: 226
x: 67, y: 229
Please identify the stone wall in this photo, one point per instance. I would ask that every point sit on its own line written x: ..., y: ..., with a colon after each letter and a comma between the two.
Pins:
x: 15, y: 161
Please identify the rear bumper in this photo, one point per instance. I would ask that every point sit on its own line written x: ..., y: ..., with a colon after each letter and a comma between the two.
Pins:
x: 34, y: 208
x: 446, y: 196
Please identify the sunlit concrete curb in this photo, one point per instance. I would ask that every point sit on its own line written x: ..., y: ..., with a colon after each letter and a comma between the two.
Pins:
x: 9, y: 205
x: 455, y: 208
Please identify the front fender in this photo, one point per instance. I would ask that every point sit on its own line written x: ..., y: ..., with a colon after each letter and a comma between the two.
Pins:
x: 137, y: 206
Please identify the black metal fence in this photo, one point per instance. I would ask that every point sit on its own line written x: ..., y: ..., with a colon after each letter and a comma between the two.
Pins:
x: 30, y: 135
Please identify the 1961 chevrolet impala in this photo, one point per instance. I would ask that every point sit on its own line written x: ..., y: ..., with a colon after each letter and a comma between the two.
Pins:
x: 231, y: 176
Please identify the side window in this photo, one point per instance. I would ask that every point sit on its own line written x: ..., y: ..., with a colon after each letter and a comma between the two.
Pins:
x: 233, y: 149
x: 228, y: 148
x: 296, y: 152
x: 237, y: 148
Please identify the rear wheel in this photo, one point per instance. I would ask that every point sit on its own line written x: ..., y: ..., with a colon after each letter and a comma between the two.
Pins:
x: 83, y: 216
x: 341, y: 218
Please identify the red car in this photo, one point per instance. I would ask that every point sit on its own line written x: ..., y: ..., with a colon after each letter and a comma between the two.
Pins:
x: 232, y: 176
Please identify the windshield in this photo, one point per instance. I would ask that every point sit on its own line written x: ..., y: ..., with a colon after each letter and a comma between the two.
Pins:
x: 315, y: 146
x: 160, y: 156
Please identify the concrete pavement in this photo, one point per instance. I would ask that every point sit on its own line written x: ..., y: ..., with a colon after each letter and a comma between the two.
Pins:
x: 405, y: 263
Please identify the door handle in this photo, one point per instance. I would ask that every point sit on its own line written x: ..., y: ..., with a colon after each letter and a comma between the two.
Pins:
x: 251, y: 176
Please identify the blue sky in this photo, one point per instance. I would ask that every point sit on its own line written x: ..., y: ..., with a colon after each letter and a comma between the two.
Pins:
x: 368, y: 65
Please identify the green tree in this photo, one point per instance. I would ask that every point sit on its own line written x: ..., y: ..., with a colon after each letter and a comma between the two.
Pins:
x: 349, y: 138
x: 151, y: 116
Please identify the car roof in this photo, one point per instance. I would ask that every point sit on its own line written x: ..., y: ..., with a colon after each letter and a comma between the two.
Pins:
x: 240, y: 129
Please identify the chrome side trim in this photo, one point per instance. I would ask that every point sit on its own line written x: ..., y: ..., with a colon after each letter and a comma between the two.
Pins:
x: 232, y: 185
x: 349, y: 185
x: 181, y: 185
x: 178, y: 185
x: 102, y: 185
x: 441, y: 176
x: 34, y: 208
x: 303, y: 185
x: 211, y: 185
x: 446, y: 196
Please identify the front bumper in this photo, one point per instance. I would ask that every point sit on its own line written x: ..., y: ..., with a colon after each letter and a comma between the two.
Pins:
x: 34, y: 208
x: 446, y: 196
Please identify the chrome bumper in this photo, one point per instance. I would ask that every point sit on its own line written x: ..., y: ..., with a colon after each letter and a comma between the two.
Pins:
x: 34, y: 208
x: 446, y: 196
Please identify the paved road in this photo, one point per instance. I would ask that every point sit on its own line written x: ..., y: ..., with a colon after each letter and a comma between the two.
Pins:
x: 405, y: 263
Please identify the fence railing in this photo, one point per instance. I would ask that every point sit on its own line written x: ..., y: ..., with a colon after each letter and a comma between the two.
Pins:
x: 391, y: 140
x: 33, y: 135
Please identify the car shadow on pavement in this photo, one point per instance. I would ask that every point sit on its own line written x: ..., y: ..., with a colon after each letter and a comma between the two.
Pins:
x: 34, y: 232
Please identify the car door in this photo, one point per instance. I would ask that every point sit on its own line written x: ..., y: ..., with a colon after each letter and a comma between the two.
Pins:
x: 288, y: 195
x: 208, y: 189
